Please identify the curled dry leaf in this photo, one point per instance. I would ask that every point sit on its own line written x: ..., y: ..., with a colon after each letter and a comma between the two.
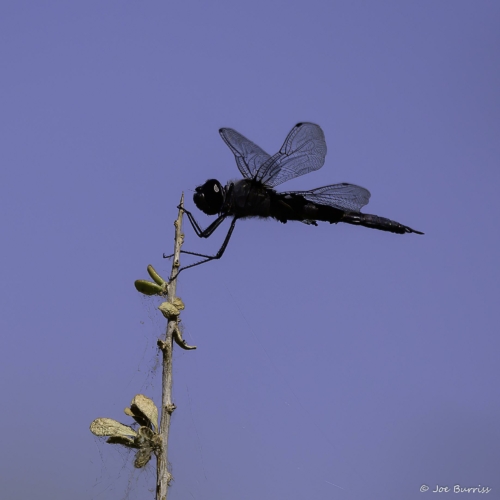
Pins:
x: 180, y: 341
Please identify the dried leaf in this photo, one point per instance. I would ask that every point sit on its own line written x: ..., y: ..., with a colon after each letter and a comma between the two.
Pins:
x: 137, y: 415
x: 123, y: 440
x: 144, y: 406
x: 142, y: 457
x: 110, y: 427
x: 128, y: 412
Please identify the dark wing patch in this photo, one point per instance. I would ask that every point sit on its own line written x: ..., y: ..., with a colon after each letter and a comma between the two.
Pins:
x: 249, y: 157
x: 343, y: 196
x: 303, y: 151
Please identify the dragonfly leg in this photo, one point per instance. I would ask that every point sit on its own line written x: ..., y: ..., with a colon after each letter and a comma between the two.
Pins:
x: 218, y: 255
x: 201, y: 233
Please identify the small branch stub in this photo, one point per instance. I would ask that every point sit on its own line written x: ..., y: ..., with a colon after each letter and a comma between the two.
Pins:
x: 162, y: 345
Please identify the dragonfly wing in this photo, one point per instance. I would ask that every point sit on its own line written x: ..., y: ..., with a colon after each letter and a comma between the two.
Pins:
x: 249, y: 157
x: 303, y: 151
x: 343, y: 196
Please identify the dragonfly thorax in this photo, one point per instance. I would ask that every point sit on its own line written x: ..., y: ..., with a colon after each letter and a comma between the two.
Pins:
x: 209, y: 198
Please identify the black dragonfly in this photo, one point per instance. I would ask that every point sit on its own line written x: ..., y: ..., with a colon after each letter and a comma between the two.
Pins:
x: 303, y: 151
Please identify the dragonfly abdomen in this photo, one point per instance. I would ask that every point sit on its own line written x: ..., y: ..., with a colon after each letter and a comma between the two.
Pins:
x: 376, y: 222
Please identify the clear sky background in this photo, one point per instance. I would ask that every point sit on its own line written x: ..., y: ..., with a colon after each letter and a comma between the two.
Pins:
x: 333, y: 362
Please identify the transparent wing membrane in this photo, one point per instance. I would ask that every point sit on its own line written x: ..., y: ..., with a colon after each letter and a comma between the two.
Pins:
x: 302, y: 152
x: 249, y: 157
x: 343, y: 196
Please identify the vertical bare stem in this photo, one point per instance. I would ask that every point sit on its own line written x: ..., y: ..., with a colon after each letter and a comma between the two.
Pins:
x: 167, y: 407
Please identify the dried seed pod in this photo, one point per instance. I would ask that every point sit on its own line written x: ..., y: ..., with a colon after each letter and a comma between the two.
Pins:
x: 148, y: 288
x: 156, y: 277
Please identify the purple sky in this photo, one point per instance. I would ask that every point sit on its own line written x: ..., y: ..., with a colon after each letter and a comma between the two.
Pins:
x: 333, y: 362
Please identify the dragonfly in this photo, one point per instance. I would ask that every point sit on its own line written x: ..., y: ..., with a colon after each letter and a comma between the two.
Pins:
x: 303, y: 151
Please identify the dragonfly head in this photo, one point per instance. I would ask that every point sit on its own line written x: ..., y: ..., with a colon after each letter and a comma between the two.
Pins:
x: 209, y: 197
